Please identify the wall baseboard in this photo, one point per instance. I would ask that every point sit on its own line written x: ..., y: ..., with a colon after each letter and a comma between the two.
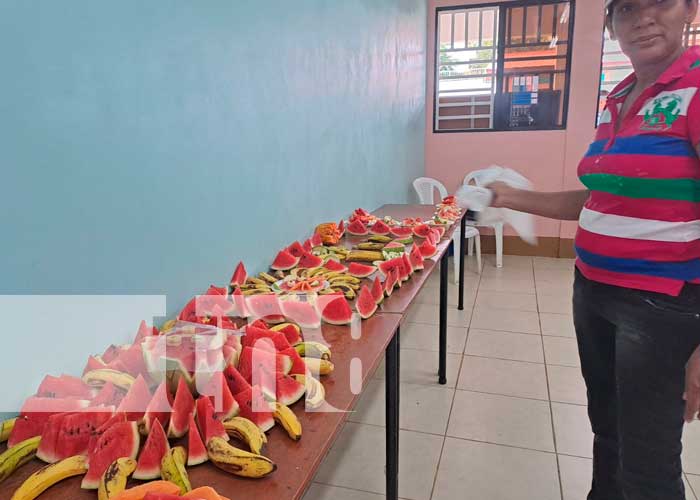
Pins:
x: 546, y: 247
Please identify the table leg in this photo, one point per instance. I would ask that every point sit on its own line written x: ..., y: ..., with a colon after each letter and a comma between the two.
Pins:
x: 462, y: 248
x: 442, y: 374
x: 392, y: 417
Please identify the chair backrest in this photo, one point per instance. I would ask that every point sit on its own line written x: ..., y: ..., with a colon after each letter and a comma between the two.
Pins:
x: 479, y: 177
x: 425, y: 188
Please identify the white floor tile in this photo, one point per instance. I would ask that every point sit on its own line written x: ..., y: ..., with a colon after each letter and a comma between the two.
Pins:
x: 565, y: 288
x: 509, y: 378
x: 505, y: 345
x: 690, y: 490
x: 421, y: 367
x: 559, y: 304
x: 426, y: 337
x: 576, y: 475
x: 524, y: 423
x: 517, y: 273
x: 487, y: 318
x: 573, y: 430
x: 507, y: 285
x: 553, y: 263
x: 325, y: 492
x: 491, y: 472
x: 561, y: 351
x: 431, y: 295
x: 510, y: 261
x: 566, y: 385
x: 691, y: 448
x: 557, y: 325
x: 554, y: 275
x: 506, y: 300
x: 430, y: 314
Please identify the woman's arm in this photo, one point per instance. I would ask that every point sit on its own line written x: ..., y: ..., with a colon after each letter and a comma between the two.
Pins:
x: 564, y: 205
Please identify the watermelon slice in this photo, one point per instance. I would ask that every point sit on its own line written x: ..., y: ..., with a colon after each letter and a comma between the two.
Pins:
x: 298, y: 364
x: 256, y: 337
x: 334, y: 265
x: 111, y: 354
x: 148, y: 467
x: 76, y: 431
x: 47, y: 451
x: 183, y: 409
x: 109, y: 395
x: 239, y: 275
x: 357, y: 228
x: 366, y: 305
x: 440, y: 230
x: 421, y: 230
x: 252, y: 360
x: 296, y: 249
x: 307, y: 246
x: 117, y: 418
x: 337, y: 311
x: 397, y: 275
x: 259, y: 323
x: 196, y: 451
x: 236, y: 382
x: 341, y: 228
x: 64, y: 386
x: 389, y: 283
x: 378, y: 291
x: 407, y: 264
x: 302, y: 313
x: 401, y: 232
x: 217, y: 390
x: 159, y: 408
x: 360, y: 270
x: 136, y: 400
x: 416, y: 259
x: 239, y: 303
x: 310, y: 261
x: 145, y: 331
x: 51, y: 406
x: 209, y: 426
x: 316, y: 240
x: 26, y: 427
x: 264, y: 305
x: 94, y: 363
x: 291, y: 331
x: 121, y: 440
x: 255, y: 408
x: 287, y: 390
x: 389, y: 265
x: 427, y: 249
x: 380, y: 227
x: 284, y: 261
x: 131, y: 361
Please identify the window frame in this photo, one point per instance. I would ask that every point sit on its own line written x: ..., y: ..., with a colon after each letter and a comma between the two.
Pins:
x: 502, y: 7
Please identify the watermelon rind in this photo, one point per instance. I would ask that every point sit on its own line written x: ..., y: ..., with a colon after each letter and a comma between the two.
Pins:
x: 378, y: 291
x: 284, y: 261
x: 366, y: 305
x: 121, y: 440
x: 303, y: 314
x: 357, y: 228
x: 381, y: 228
x: 309, y: 261
x: 255, y: 408
x: 296, y: 249
x: 401, y: 232
x: 288, y: 390
x: 337, y: 312
x: 427, y: 250
x: 160, y: 408
x: 148, y: 466
x: 240, y: 275
x: 359, y: 270
x: 335, y: 266
x: 196, y: 451
x: 183, y: 408
x: 421, y: 231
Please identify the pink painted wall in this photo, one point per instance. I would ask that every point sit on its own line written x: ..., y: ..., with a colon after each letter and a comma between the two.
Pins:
x: 548, y: 158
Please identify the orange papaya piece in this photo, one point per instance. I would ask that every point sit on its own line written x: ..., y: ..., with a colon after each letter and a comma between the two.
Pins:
x: 140, y: 492
x: 203, y: 493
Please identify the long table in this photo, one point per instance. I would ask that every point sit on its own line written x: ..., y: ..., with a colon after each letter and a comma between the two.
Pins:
x: 299, y: 461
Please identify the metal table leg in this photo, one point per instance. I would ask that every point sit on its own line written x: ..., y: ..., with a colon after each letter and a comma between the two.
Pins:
x: 462, y: 248
x: 442, y: 374
x: 392, y: 417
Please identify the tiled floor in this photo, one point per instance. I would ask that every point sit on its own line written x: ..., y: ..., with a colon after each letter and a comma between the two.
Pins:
x: 511, y: 423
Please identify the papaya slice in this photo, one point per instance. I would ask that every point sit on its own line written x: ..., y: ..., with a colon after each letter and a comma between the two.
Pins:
x: 140, y: 492
x: 203, y: 493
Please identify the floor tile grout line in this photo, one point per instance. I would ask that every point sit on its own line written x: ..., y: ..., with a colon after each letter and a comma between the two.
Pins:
x: 692, y: 489
x: 517, y: 397
x: 353, y: 489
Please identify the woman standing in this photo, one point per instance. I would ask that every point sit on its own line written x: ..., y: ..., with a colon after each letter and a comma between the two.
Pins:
x: 636, y: 301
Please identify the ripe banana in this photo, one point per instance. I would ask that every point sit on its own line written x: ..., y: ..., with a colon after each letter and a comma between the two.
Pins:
x: 239, y: 462
x: 315, y: 392
x: 115, y: 477
x: 245, y: 430
x: 313, y: 350
x: 168, y: 325
x: 44, y: 478
x: 98, y: 378
x: 289, y: 421
x: 6, y: 429
x: 173, y: 469
x: 377, y: 238
x: 15, y: 457
x: 320, y: 366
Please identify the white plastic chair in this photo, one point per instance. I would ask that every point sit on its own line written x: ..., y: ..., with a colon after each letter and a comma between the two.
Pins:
x: 476, y: 178
x: 425, y: 189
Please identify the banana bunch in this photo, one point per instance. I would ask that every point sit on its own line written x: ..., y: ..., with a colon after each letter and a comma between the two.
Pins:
x: 258, y: 286
x: 320, y: 366
x: 173, y: 469
x: 6, y: 429
x: 315, y: 392
x: 44, y: 478
x: 312, y: 349
x: 332, y: 252
x: 246, y: 431
x: 98, y: 378
x: 371, y: 246
x: 364, y: 256
x: 115, y: 477
x: 15, y: 457
x: 238, y: 462
x: 380, y: 238
x: 289, y: 421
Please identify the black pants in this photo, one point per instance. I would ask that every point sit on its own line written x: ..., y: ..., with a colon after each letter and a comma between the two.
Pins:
x: 634, y: 347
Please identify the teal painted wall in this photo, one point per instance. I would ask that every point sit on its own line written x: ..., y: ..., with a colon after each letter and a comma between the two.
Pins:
x: 146, y: 147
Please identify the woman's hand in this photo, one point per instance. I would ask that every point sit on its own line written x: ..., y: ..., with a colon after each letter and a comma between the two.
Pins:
x: 692, y: 386
x: 501, y: 192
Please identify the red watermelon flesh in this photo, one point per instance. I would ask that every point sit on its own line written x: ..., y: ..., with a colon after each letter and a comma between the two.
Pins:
x: 291, y: 334
x: 159, y: 408
x: 255, y: 408
x: 380, y: 227
x: 389, y: 283
x: 407, y: 264
x: 378, y: 291
x: 236, y: 382
x: 239, y: 275
x: 366, y: 305
x: 357, y: 228
x: 256, y: 337
x: 397, y: 276
x: 298, y: 364
x: 401, y: 232
x: 240, y: 307
x: 421, y: 230
x: 263, y: 305
x: 416, y: 259
x: 117, y: 418
x: 427, y: 250
x: 47, y: 446
x: 148, y: 467
x: 133, y: 360
x: 51, y: 406
x: 64, y: 386
x: 196, y: 451
x: 111, y: 354
x: 183, y: 409
x: 209, y: 426
x: 77, y: 429
x: 26, y: 427
x: 94, y: 363
x: 258, y: 323
x: 337, y: 311
x: 360, y: 270
x: 136, y: 400
x: 341, y: 228
x: 307, y: 246
x: 121, y: 440
x: 284, y: 261
x: 388, y: 266
x: 296, y: 249
x: 335, y: 266
x: 440, y: 230
x: 302, y: 313
x: 287, y: 390
x: 109, y: 395
x: 145, y: 331
x: 252, y: 360
x: 309, y: 261
x: 316, y: 240
x: 225, y: 406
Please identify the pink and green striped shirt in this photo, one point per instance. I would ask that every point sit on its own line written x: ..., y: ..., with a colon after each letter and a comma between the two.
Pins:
x: 640, y: 228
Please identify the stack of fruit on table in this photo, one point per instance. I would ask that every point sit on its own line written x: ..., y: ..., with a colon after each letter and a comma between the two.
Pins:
x: 169, y: 401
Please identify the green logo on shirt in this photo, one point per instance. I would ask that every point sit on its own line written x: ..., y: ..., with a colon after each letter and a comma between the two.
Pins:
x: 663, y: 112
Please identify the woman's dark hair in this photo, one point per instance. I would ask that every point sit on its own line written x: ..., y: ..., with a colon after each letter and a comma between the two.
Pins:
x: 609, y: 12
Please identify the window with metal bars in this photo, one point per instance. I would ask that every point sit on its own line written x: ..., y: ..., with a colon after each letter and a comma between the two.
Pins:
x: 503, y: 66
x: 615, y: 65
